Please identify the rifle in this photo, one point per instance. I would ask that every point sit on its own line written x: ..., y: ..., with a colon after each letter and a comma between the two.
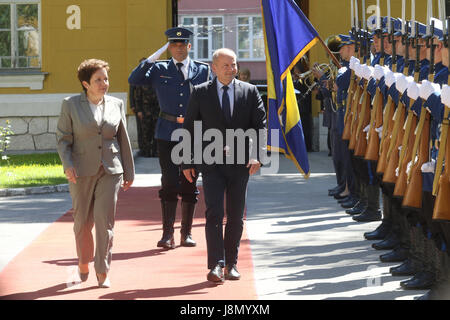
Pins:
x: 406, y: 43
x: 441, y: 183
x: 442, y: 204
x: 350, y: 97
x: 444, y: 128
x: 392, y: 156
x: 405, y: 155
x: 413, y: 195
x: 377, y: 119
x: 364, y: 117
x: 388, y: 127
x: 357, y: 101
x: 373, y: 145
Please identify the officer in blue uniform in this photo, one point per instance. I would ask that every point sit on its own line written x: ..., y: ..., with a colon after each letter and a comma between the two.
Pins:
x: 173, y: 81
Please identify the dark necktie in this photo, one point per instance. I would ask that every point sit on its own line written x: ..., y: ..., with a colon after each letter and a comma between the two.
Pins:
x: 179, y: 66
x: 226, y: 104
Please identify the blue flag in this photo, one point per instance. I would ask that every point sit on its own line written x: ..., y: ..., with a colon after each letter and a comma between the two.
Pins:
x: 288, y: 35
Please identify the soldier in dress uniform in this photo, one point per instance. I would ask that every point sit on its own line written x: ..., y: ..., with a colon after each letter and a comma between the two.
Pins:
x: 173, y: 80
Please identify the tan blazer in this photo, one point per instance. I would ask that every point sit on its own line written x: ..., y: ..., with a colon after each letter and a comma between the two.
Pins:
x: 84, y: 145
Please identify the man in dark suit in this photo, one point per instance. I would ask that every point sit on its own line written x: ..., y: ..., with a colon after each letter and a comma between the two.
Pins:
x: 226, y: 104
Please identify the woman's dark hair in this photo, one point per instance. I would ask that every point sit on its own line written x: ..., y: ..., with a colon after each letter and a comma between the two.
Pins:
x: 88, y: 67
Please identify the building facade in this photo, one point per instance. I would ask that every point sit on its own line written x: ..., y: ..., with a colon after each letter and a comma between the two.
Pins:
x: 234, y: 24
x: 42, y: 42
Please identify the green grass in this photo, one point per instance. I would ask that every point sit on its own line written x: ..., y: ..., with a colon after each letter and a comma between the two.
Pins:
x: 31, y: 170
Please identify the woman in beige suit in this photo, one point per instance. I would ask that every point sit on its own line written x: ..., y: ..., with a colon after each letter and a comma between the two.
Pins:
x: 96, y: 154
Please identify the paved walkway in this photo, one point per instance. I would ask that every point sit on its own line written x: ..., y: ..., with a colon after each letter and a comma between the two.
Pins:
x: 303, y: 244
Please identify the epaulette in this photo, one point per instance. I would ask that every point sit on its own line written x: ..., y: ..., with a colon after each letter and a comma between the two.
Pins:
x: 201, y: 62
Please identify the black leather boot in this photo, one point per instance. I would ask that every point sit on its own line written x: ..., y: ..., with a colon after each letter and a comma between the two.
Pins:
x: 169, y: 210
x: 358, y: 208
x: 187, y: 215
x: 380, y: 232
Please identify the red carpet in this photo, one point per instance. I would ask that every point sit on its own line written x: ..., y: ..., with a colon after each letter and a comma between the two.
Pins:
x: 46, y: 268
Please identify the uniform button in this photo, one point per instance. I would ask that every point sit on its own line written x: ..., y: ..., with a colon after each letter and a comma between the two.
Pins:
x: 181, y: 94
x: 182, y: 84
x: 181, y: 105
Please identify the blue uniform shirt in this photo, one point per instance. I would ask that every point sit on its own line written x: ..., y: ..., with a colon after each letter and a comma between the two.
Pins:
x: 172, y: 91
x: 342, y: 83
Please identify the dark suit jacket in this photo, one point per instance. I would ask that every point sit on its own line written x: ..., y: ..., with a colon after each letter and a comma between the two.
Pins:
x: 248, y: 113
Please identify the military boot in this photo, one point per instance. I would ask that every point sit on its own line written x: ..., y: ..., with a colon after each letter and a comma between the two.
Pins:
x: 187, y: 216
x: 169, y: 210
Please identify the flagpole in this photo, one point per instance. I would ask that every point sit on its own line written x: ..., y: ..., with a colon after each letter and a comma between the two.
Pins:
x: 335, y: 61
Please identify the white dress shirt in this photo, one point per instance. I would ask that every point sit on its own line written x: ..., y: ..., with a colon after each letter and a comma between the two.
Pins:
x: 185, y: 67
x: 98, y: 110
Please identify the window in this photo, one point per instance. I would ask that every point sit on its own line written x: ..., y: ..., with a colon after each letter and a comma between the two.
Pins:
x: 20, y: 40
x: 250, y: 38
x: 207, y: 35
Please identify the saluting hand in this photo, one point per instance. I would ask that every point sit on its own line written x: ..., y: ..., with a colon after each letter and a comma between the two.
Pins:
x: 189, y: 174
x: 71, y: 175
x: 254, y: 166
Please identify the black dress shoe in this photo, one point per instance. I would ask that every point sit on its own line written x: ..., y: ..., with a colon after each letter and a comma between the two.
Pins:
x: 349, y: 204
x: 335, y: 191
x: 368, y: 216
x: 339, y: 196
x: 407, y: 268
x: 166, y: 243
x: 216, y: 274
x: 186, y: 241
x: 231, y: 273
x: 422, y: 280
x: 346, y: 199
x: 379, y: 233
x: 399, y: 254
x: 358, y: 208
x: 387, y: 244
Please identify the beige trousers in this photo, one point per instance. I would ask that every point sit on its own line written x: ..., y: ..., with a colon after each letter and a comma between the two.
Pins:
x: 94, y: 201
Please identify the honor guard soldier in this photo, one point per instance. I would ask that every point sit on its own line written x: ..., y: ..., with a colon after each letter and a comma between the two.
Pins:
x: 173, y: 80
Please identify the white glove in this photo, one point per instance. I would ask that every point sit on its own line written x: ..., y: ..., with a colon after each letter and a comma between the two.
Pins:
x: 445, y: 95
x: 367, y: 72
x: 408, y: 167
x: 342, y: 70
x: 353, y: 61
x: 429, y: 166
x: 403, y: 83
x: 379, y: 131
x: 414, y: 90
x: 358, y: 69
x: 389, y: 78
x: 396, y: 172
x: 427, y: 88
x: 378, y: 72
x: 367, y: 128
x: 155, y: 56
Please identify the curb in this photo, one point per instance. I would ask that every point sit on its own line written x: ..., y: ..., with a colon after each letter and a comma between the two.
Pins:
x: 11, y: 192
